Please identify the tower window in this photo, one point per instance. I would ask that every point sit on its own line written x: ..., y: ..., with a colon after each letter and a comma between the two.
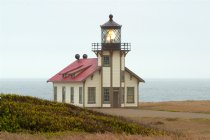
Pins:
x: 111, y: 35
x: 106, y: 60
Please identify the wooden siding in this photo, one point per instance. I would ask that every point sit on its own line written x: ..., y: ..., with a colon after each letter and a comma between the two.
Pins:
x: 95, y: 81
x: 116, y: 69
x: 106, y: 77
x: 131, y: 82
x: 68, y: 88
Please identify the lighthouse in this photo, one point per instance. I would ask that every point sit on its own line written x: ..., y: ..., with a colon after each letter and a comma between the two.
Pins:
x: 103, y: 81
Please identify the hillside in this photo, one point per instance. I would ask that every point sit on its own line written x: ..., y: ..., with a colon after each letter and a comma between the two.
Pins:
x: 29, y: 114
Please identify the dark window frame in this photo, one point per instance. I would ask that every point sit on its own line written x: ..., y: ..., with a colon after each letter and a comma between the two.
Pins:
x: 73, y: 75
x: 91, y: 95
x: 106, y: 95
x: 63, y: 94
x: 106, y: 60
x: 55, y: 91
x: 130, y: 95
x: 72, y: 95
x: 80, y: 95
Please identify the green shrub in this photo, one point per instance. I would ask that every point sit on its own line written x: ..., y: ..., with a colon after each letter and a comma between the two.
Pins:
x: 24, y: 113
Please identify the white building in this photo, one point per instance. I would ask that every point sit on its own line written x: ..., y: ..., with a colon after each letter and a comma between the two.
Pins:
x: 103, y: 81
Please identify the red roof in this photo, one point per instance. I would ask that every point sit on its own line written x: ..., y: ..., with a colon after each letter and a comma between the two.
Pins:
x: 77, y: 71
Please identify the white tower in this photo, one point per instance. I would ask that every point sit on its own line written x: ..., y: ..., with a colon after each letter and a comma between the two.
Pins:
x: 111, y: 57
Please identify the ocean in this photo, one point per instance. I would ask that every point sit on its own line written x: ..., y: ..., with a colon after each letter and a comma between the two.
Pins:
x: 154, y: 90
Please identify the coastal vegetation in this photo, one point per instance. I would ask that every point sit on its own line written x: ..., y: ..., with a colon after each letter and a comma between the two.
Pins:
x: 24, y: 117
x: 178, y: 106
x: 85, y: 136
x: 33, y: 115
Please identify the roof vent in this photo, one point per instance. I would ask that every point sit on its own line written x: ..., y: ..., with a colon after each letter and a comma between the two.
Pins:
x: 77, y: 56
x: 85, y: 56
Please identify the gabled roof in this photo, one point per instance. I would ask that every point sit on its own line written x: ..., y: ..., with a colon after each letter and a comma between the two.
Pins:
x: 133, y: 74
x: 80, y: 70
x: 77, y: 71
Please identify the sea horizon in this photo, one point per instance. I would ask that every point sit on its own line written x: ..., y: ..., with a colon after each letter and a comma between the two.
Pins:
x: 153, y: 90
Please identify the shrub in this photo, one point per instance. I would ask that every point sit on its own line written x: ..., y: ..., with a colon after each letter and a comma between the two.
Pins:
x: 24, y: 113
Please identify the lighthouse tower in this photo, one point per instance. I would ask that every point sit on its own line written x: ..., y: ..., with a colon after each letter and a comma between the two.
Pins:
x: 104, y: 81
x: 111, y: 57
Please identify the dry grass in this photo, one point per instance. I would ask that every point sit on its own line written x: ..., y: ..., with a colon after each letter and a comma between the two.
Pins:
x: 86, y: 136
x: 196, y: 128
x: 178, y: 106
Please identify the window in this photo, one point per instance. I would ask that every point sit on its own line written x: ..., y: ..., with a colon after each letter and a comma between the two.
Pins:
x: 63, y: 94
x: 111, y: 35
x: 106, y: 60
x: 122, y: 95
x: 130, y: 94
x: 64, y: 75
x: 73, y: 75
x: 80, y: 95
x: 106, y: 95
x: 55, y: 93
x: 72, y: 94
x: 91, y: 95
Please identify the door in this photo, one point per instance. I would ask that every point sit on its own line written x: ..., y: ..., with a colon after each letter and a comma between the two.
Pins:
x: 115, y: 99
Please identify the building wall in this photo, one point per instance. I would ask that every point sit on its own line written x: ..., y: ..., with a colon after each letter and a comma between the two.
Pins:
x: 99, y: 60
x: 106, y: 72
x: 68, y: 92
x: 106, y: 77
x: 106, y: 105
x: 116, y: 69
x: 95, y: 81
x: 106, y: 53
x: 100, y: 79
x: 123, y: 83
x: 131, y: 82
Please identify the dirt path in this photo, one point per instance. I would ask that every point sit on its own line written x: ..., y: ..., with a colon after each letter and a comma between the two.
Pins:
x: 151, y: 113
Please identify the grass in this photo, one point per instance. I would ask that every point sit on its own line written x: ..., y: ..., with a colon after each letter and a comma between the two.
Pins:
x: 197, y: 129
x: 32, y: 115
x: 86, y: 136
x: 178, y: 106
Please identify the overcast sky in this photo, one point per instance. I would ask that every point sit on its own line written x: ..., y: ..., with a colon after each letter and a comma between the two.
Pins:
x: 170, y: 38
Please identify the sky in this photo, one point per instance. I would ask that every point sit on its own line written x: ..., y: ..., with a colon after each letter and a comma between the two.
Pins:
x: 169, y: 38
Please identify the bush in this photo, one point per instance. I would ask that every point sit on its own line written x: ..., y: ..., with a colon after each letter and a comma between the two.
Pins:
x: 24, y: 113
